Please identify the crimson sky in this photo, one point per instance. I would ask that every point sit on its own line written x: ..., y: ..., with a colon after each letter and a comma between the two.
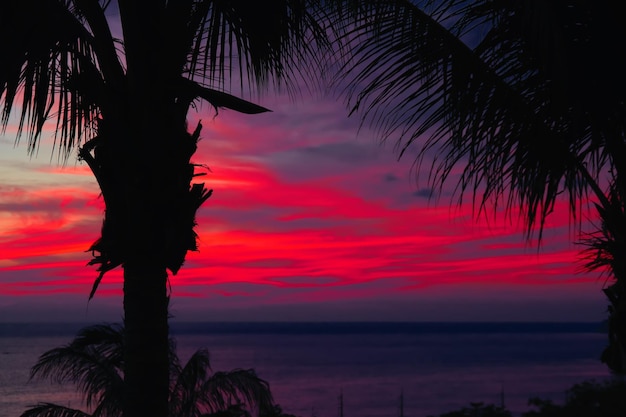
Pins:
x: 311, y: 219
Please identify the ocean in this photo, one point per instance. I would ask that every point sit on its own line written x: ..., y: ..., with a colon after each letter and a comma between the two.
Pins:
x: 434, y: 367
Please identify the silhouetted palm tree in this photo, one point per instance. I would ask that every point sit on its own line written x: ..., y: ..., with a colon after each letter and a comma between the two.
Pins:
x: 94, y: 362
x: 517, y: 102
x: 605, y: 251
x: 125, y: 102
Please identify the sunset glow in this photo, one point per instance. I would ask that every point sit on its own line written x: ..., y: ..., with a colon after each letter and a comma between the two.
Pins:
x: 310, y: 219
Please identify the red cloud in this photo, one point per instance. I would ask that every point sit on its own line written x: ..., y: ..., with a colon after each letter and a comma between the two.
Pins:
x: 336, y: 235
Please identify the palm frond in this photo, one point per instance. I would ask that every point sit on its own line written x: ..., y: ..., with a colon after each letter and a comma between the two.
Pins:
x: 606, y: 248
x: 188, y: 381
x: 193, y: 90
x: 198, y: 392
x: 108, y: 338
x: 255, y: 43
x: 465, y: 86
x: 236, y: 410
x: 53, y: 410
x: 49, y: 71
x: 93, y: 361
x: 224, y: 389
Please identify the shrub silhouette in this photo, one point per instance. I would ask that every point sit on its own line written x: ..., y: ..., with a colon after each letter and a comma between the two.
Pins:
x: 587, y: 399
x: 94, y: 362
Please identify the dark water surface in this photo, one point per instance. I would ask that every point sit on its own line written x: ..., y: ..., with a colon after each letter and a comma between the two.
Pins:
x: 437, y: 366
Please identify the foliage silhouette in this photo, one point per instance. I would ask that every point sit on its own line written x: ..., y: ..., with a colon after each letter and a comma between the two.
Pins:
x: 275, y: 411
x: 125, y: 101
x: 94, y: 362
x: 122, y: 100
x: 518, y: 103
x: 587, y: 399
x: 527, y: 94
x: 478, y: 410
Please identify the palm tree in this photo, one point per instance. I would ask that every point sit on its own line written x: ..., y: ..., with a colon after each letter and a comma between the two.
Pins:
x: 122, y: 101
x: 517, y: 102
x: 94, y: 362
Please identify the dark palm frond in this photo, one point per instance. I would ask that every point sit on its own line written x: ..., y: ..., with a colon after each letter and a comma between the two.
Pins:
x: 606, y: 248
x: 93, y: 361
x: 187, y: 383
x: 236, y: 410
x: 467, y: 86
x: 614, y: 355
x: 48, y: 70
x: 557, y: 55
x: 599, y: 251
x: 108, y: 338
x: 193, y: 90
x: 224, y: 389
x: 437, y: 88
x: 256, y: 43
x: 53, y: 410
x: 197, y: 391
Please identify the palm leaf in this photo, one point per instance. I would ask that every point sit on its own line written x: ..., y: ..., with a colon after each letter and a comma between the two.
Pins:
x: 193, y: 90
x: 93, y: 361
x: 188, y: 380
x: 47, y: 62
x: 236, y: 410
x: 53, y: 410
x: 479, y: 109
x: 197, y: 392
x: 255, y: 42
x: 224, y: 389
x: 605, y: 247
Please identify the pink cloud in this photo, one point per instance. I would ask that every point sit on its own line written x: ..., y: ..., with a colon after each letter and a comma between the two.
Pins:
x: 303, y: 212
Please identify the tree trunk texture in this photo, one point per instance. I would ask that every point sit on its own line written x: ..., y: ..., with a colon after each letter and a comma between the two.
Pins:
x: 143, y: 164
x: 146, y: 340
x: 146, y: 181
x: 158, y: 212
x: 146, y: 209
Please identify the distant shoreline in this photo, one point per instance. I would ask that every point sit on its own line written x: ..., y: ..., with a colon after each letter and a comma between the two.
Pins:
x: 338, y: 328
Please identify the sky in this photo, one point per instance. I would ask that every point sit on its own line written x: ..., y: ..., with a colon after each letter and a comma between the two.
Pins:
x: 312, y: 219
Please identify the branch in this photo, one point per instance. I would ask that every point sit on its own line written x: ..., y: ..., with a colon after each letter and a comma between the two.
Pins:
x: 194, y: 90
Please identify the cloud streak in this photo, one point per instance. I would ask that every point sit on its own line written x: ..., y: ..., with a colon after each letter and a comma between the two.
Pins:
x: 307, y: 217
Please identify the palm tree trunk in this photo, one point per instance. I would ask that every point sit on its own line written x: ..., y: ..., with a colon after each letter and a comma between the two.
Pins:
x: 146, y: 340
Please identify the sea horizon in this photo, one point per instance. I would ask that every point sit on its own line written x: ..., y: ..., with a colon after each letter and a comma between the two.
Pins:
x: 61, y: 328
x: 438, y: 366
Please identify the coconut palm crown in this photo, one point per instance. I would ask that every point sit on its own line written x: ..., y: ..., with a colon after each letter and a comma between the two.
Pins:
x: 116, y: 80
